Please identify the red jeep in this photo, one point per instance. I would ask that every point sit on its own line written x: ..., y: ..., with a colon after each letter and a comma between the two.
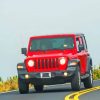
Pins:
x: 55, y: 59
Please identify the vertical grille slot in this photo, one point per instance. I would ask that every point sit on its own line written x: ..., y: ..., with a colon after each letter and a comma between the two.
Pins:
x: 57, y: 63
x: 38, y: 64
x: 46, y: 63
x: 50, y: 62
x: 43, y: 61
x: 53, y: 62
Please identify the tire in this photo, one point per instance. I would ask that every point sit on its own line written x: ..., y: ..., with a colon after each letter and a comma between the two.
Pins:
x: 88, y: 82
x: 38, y: 88
x: 23, y: 86
x: 76, y: 81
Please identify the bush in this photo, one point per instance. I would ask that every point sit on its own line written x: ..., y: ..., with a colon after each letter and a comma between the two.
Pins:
x: 96, y: 74
x: 9, y: 84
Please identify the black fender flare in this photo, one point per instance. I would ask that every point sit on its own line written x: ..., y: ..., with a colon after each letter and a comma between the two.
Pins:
x: 22, y: 70
x: 74, y: 60
x: 21, y: 64
x: 89, y: 63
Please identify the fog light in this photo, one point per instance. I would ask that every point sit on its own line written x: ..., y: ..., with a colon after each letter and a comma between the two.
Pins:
x: 65, y: 73
x: 26, y: 76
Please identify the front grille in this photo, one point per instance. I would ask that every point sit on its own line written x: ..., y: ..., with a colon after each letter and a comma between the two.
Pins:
x: 46, y: 63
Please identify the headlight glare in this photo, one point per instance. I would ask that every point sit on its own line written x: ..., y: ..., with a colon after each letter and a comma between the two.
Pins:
x: 30, y: 63
x: 62, y: 61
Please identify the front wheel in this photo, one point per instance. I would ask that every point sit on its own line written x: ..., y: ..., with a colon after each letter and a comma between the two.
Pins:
x: 88, y: 82
x: 76, y: 81
x: 23, y: 86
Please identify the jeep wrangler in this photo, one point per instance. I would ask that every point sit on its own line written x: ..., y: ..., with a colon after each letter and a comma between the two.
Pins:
x: 55, y: 59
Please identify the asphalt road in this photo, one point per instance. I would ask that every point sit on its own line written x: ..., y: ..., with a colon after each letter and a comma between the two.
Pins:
x: 57, y: 92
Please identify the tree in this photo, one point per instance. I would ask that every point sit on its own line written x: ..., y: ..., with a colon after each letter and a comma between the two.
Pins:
x: 0, y: 79
x: 99, y: 67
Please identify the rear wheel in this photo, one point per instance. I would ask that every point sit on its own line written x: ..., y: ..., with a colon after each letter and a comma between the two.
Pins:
x: 38, y: 88
x: 76, y: 81
x: 23, y: 86
x: 88, y: 82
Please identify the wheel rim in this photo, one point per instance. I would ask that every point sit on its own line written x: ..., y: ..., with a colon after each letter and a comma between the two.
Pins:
x: 79, y: 79
x: 91, y: 76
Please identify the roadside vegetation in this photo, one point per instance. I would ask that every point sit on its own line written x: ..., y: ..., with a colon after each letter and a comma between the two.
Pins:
x: 11, y: 83
x: 96, y: 73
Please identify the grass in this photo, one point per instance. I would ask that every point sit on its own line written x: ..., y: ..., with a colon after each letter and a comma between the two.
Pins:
x: 96, y: 74
x: 9, y: 84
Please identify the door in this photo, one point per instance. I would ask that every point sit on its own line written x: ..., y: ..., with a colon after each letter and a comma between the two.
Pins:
x: 83, y: 54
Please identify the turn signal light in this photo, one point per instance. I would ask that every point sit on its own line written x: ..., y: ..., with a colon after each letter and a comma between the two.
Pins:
x: 20, y: 67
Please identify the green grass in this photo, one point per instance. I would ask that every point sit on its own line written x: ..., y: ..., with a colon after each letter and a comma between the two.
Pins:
x: 9, y: 84
x: 96, y: 74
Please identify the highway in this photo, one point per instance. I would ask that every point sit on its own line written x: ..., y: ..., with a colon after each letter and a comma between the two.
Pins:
x: 57, y: 92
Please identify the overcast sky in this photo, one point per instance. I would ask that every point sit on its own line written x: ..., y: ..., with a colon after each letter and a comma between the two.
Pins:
x: 20, y: 19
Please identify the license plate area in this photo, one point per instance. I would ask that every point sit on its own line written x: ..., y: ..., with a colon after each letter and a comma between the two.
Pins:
x: 45, y: 75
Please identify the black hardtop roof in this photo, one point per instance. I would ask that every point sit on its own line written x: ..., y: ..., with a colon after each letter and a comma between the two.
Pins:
x: 79, y: 34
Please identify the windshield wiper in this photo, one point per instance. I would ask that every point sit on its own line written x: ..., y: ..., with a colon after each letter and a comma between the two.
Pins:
x: 47, y: 49
x: 37, y: 50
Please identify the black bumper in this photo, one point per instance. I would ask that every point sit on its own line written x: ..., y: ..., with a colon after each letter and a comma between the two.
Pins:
x: 57, y: 77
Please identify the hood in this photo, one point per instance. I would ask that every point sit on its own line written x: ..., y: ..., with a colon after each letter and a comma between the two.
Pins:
x: 51, y: 53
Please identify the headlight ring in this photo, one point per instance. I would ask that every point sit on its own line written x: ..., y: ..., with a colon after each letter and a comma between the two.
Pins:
x: 30, y: 63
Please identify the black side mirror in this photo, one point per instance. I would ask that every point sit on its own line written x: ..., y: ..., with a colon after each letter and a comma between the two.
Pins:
x: 24, y: 51
x: 81, y: 47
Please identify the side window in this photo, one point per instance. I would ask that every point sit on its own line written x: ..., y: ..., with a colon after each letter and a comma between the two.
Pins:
x: 84, y: 43
x: 77, y: 44
x: 80, y: 41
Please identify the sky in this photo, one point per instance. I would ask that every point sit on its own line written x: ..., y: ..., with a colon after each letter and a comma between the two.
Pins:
x: 20, y: 19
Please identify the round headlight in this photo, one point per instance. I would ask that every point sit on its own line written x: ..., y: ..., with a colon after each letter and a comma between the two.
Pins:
x: 30, y: 63
x: 62, y: 61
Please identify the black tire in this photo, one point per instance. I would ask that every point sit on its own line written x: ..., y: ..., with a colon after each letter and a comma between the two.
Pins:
x: 76, y: 81
x: 38, y: 88
x: 88, y: 82
x: 23, y: 86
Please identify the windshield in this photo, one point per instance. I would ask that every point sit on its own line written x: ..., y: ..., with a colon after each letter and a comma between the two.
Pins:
x: 52, y: 44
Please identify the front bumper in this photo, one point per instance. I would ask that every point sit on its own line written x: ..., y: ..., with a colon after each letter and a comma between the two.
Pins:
x: 57, y: 77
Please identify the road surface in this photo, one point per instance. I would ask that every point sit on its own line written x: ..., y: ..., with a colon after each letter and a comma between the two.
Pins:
x: 57, y: 92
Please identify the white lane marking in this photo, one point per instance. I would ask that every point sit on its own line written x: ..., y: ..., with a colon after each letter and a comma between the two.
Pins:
x: 97, y: 80
x: 8, y: 92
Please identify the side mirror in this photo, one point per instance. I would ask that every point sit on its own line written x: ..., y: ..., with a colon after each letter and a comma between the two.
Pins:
x: 81, y: 47
x: 24, y: 51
